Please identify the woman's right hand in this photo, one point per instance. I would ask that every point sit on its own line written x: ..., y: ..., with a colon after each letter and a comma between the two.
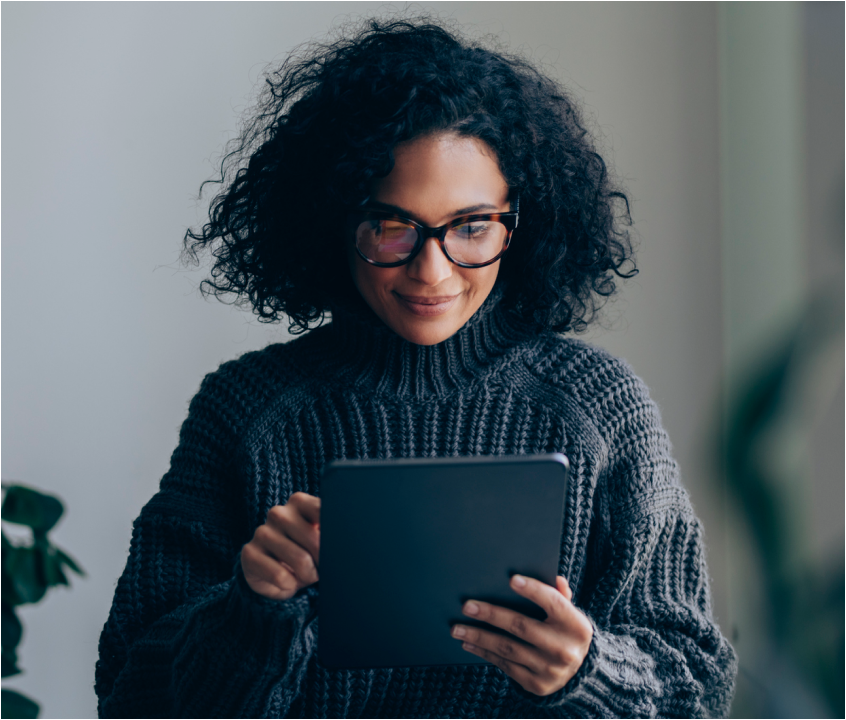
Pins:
x: 283, y: 556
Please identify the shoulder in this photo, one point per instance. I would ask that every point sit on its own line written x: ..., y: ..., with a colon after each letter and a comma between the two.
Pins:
x: 607, y: 398
x: 240, y: 388
x: 586, y: 372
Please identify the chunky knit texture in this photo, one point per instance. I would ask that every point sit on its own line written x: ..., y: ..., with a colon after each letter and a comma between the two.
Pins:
x: 187, y: 637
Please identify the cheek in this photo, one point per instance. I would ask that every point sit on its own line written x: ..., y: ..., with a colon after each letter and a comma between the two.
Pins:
x: 372, y: 282
x: 482, y: 280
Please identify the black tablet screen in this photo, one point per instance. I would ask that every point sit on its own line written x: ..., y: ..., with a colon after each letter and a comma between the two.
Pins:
x: 404, y: 543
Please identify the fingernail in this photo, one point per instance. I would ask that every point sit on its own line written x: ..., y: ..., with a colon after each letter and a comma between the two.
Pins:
x: 471, y: 608
x: 468, y: 646
x: 459, y: 631
x: 519, y: 580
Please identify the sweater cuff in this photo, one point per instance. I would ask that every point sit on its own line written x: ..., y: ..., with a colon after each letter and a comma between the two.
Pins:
x: 615, y: 679
x: 279, y: 624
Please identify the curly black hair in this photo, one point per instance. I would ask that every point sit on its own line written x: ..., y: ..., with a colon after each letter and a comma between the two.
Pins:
x: 325, y: 127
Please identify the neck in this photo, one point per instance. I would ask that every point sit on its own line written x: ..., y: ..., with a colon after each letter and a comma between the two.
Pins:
x: 384, y: 363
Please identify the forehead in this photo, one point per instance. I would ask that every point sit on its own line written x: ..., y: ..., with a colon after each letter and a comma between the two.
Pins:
x: 435, y: 176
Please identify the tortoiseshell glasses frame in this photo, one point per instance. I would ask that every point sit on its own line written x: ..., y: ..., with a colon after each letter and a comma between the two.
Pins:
x: 469, y: 241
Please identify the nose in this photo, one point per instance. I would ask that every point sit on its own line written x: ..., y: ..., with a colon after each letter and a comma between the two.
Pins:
x: 430, y: 266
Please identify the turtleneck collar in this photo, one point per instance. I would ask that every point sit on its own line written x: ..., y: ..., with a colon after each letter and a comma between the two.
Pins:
x: 374, y: 357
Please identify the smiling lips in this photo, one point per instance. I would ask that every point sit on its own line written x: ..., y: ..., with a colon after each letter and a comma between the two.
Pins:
x: 427, y: 306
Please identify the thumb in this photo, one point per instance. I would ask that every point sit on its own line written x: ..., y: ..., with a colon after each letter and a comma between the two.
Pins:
x: 564, y: 587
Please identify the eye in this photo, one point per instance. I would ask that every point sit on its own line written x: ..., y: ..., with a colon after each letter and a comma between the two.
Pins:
x: 394, y: 230
x: 384, y: 240
x: 471, y: 230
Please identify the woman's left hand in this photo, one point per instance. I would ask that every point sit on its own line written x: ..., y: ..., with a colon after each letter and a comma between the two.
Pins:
x: 543, y: 655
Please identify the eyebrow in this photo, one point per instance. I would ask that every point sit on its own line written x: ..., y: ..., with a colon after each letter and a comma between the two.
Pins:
x: 396, y: 209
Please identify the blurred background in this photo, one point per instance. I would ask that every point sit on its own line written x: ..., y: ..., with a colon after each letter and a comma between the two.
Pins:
x: 725, y: 123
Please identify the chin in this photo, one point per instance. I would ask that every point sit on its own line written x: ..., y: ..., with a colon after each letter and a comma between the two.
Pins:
x: 426, y: 333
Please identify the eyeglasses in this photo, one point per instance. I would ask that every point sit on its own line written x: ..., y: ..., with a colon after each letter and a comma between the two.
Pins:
x: 471, y: 241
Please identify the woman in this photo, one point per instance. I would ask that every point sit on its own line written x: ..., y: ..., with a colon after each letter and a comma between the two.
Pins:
x: 445, y: 204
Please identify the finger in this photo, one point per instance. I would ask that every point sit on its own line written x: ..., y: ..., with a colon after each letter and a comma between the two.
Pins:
x: 564, y: 587
x: 508, y: 648
x: 287, y: 521
x: 267, y: 576
x: 555, y: 603
x: 307, y: 505
x: 282, y: 549
x: 296, y: 557
x: 561, y: 613
x: 306, y: 536
x: 532, y: 632
x: 520, y: 673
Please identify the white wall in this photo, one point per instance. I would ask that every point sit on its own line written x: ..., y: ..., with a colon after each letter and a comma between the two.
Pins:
x: 113, y: 115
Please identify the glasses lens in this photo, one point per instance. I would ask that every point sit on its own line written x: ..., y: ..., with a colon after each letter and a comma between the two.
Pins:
x: 385, y: 241
x: 476, y: 242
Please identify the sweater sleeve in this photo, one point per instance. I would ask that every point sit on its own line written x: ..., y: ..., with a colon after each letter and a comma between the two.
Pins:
x: 656, y: 649
x: 186, y: 636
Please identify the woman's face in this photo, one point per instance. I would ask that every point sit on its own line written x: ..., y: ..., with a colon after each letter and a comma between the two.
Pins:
x: 435, y: 179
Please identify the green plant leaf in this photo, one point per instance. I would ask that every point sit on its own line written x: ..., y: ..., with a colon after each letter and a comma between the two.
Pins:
x: 66, y: 559
x: 25, y: 506
x: 7, y: 589
x: 10, y: 663
x: 23, y: 566
x: 51, y: 567
x: 16, y: 705
x: 9, y: 594
x: 12, y: 628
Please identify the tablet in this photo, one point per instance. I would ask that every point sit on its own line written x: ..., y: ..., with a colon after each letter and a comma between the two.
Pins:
x: 405, y: 542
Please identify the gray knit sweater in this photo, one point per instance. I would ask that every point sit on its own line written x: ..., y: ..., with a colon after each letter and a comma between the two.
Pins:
x: 187, y: 637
